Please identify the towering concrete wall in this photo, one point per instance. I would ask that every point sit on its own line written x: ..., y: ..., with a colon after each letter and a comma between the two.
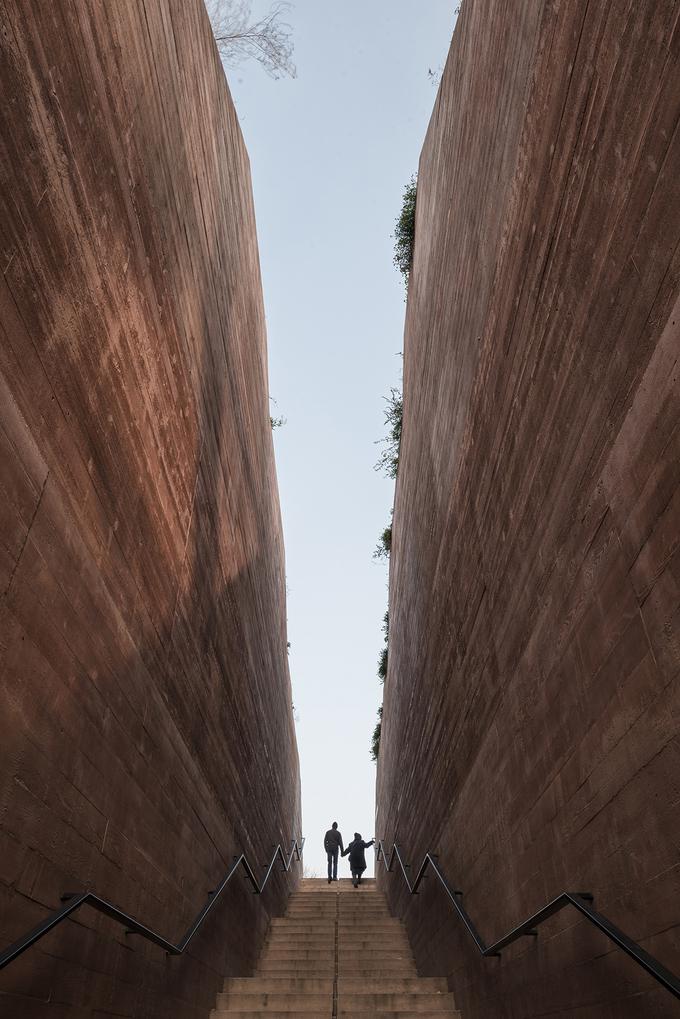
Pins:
x: 146, y: 731
x: 532, y: 704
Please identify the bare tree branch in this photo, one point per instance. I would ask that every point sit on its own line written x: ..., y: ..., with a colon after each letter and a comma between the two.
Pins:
x: 239, y: 38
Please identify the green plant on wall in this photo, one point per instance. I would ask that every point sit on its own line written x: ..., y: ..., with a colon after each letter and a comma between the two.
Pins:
x: 375, y: 739
x: 382, y: 672
x: 384, y: 546
x: 388, y: 461
x: 382, y: 658
x: 382, y: 664
x: 405, y: 232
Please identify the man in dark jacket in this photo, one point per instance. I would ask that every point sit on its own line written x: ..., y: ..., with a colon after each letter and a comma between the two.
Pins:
x: 332, y: 842
x: 357, y: 859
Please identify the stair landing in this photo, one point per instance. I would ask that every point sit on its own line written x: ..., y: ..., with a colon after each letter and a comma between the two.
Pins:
x: 336, y: 953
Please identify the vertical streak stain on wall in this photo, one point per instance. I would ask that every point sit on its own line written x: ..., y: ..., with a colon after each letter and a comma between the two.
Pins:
x: 531, y: 707
x: 146, y: 728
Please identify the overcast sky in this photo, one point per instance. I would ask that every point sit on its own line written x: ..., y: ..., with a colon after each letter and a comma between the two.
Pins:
x: 330, y: 155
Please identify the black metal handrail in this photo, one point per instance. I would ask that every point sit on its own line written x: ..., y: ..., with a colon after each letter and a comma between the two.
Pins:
x: 581, y: 901
x: 74, y: 900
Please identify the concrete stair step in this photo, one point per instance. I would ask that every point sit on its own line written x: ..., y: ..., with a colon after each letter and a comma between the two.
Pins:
x: 359, y: 917
x: 345, y: 929
x: 302, y: 936
x: 392, y: 985
x: 331, y: 897
x: 375, y: 952
x: 281, y: 954
x: 316, y: 914
x: 313, y: 916
x: 376, y: 945
x: 293, y: 968
x: 378, y: 968
x: 295, y: 964
x: 367, y: 924
x: 358, y: 1014
x: 359, y: 898
x: 331, y: 908
x: 399, y: 944
x: 280, y: 921
x: 380, y: 944
x: 369, y: 958
x: 367, y: 918
x: 328, y: 925
x: 355, y: 914
x: 279, y: 1002
x: 426, y: 1002
x: 315, y: 884
x: 353, y: 933
x: 297, y: 958
x: 277, y: 985
x: 307, y: 912
x: 383, y: 971
x: 301, y: 943
x: 218, y: 1013
x: 361, y: 909
x: 368, y: 937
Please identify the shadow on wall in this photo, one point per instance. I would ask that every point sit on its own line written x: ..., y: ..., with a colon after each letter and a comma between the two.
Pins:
x: 147, y: 731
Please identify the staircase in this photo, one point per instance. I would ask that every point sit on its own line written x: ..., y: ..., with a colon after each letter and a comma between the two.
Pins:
x: 337, y: 952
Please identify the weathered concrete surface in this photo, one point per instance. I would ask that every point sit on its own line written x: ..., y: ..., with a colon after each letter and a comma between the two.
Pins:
x: 532, y: 705
x: 146, y: 730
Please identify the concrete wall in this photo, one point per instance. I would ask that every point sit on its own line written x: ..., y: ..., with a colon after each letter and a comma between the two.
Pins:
x: 532, y: 705
x: 146, y: 731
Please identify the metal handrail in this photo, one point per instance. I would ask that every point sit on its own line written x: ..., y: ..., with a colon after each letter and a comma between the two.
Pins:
x: 579, y: 900
x: 74, y: 900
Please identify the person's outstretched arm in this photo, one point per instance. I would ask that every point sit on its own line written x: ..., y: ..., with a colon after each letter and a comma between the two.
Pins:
x: 367, y: 845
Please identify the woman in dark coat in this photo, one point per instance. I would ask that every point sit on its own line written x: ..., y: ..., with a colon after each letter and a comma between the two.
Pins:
x: 357, y: 859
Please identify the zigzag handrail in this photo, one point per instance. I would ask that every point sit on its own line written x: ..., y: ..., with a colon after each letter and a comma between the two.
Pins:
x: 74, y: 900
x: 579, y: 900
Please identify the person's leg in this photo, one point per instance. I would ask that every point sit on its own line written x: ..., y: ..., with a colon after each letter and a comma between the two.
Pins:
x: 330, y: 865
x: 335, y: 864
x: 355, y: 878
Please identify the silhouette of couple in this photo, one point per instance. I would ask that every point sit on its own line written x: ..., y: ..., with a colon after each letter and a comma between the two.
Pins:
x: 332, y: 843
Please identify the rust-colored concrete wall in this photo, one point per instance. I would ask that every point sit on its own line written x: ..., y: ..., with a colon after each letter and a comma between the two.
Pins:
x: 532, y: 705
x: 146, y: 731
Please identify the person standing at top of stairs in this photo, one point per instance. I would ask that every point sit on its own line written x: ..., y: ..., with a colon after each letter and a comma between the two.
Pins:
x: 357, y: 858
x: 332, y: 843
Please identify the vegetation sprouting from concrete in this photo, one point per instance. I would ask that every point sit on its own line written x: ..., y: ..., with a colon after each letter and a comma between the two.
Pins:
x: 375, y: 739
x: 405, y: 231
x: 388, y: 461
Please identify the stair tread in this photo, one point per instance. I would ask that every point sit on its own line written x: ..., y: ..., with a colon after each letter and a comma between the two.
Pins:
x: 336, y: 939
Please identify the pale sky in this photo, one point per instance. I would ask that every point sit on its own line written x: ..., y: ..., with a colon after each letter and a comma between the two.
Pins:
x: 330, y: 155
